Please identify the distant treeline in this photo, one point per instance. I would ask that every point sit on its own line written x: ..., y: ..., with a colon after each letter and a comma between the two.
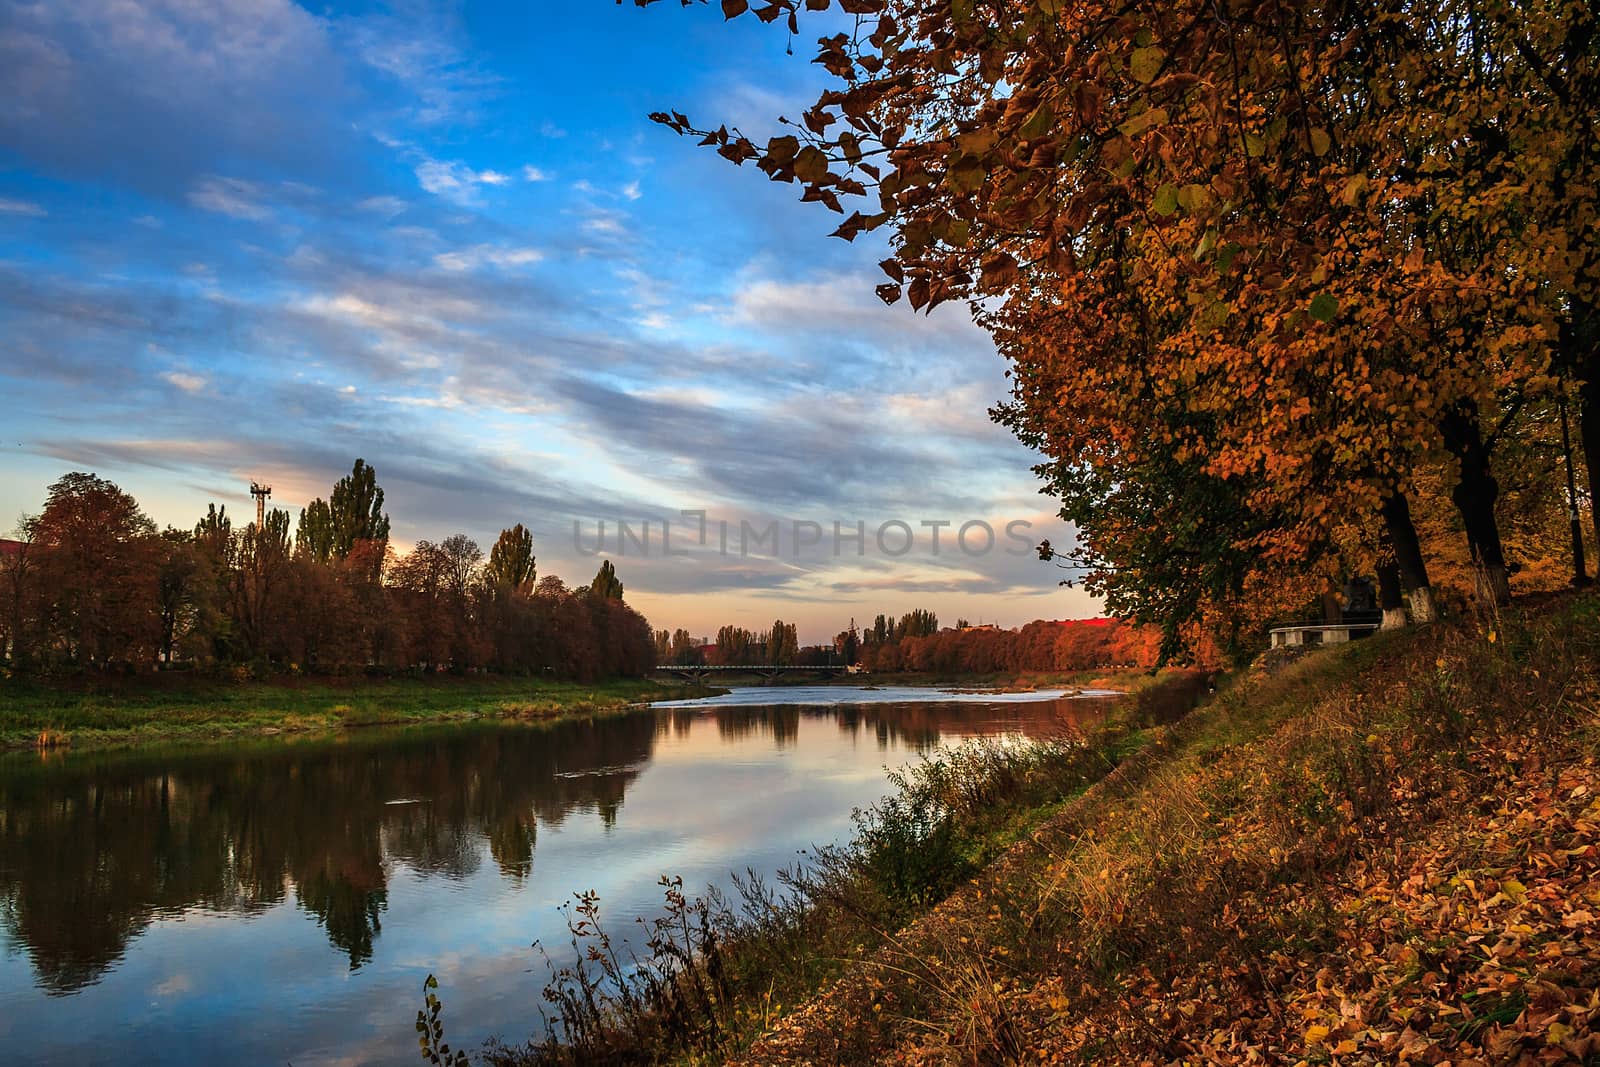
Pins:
x: 1043, y: 645
x: 92, y: 584
x: 914, y: 642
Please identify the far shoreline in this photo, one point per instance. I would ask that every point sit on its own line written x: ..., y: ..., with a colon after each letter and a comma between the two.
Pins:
x: 95, y: 713
x: 88, y: 712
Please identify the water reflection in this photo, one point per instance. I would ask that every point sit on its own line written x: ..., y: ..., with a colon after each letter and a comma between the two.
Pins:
x: 96, y: 850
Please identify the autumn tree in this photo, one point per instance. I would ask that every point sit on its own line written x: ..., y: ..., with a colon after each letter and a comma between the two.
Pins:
x: 684, y: 650
x: 92, y: 584
x: 183, y: 590
x: 97, y: 552
x: 420, y: 581
x: 783, y: 643
x: 1264, y: 240
x: 215, y: 546
x: 847, y: 643
x: 261, y: 583
x: 20, y: 595
x: 736, y: 646
x: 919, y: 622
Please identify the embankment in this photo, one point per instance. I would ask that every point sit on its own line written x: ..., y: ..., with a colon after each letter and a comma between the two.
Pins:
x: 1386, y: 853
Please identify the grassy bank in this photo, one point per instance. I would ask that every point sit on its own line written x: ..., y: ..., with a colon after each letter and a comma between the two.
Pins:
x: 714, y: 973
x: 183, y: 707
x: 1387, y: 852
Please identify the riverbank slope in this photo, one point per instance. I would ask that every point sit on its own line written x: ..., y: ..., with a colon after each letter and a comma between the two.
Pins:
x: 186, y: 707
x: 1387, y: 852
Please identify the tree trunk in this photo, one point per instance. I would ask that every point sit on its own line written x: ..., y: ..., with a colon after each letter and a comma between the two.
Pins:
x: 1580, y: 343
x: 1589, y: 435
x: 1389, y: 597
x: 1474, y: 495
x: 1408, y: 557
x: 1332, y: 609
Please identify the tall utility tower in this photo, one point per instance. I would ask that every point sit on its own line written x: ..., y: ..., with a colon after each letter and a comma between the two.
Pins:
x: 260, y: 492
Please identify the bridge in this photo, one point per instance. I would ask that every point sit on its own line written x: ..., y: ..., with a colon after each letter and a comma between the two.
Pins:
x: 768, y: 671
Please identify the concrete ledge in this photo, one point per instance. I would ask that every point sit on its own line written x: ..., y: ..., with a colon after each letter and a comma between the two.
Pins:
x: 1321, y: 633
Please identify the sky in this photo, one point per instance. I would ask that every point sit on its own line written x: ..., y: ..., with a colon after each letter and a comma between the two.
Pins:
x: 253, y: 240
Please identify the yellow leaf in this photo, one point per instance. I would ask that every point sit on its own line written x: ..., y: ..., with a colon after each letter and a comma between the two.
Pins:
x: 1156, y: 116
x: 1146, y: 63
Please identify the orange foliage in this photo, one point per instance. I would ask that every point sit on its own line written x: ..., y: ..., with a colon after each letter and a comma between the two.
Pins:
x: 1042, y: 645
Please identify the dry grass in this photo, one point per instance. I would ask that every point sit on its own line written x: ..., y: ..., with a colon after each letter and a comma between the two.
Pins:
x: 1235, y: 837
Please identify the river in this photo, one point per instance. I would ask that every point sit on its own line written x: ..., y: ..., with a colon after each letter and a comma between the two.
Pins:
x: 282, y: 901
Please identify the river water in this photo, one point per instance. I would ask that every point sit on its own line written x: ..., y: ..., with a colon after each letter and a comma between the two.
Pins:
x: 282, y: 902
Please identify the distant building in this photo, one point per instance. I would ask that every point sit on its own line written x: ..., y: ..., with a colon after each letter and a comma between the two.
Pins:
x: 11, y: 548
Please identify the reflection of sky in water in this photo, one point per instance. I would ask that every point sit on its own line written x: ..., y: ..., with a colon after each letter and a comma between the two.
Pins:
x: 712, y: 790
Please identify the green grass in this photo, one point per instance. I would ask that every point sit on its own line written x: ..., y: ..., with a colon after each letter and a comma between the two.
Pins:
x: 184, y: 707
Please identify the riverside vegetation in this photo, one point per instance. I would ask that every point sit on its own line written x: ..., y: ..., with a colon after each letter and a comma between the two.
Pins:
x: 179, y: 707
x: 1388, y: 852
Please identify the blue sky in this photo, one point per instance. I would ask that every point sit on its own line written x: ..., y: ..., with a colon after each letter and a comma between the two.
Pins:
x: 250, y: 239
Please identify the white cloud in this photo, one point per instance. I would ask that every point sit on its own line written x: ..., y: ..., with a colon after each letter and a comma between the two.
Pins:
x: 443, y: 402
x: 22, y: 207
x: 189, y: 383
x: 532, y: 173
x: 845, y: 303
x: 347, y: 307
x: 387, y: 206
x: 608, y: 223
x: 487, y: 255
x: 426, y: 56
x: 456, y: 181
x: 233, y: 197
x: 631, y: 191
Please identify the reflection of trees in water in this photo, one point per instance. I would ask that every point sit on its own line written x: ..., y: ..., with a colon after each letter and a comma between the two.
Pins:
x: 782, y: 724
x: 93, y: 851
x: 916, y: 727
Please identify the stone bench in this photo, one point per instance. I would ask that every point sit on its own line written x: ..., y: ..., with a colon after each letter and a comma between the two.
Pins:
x: 1319, y: 633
